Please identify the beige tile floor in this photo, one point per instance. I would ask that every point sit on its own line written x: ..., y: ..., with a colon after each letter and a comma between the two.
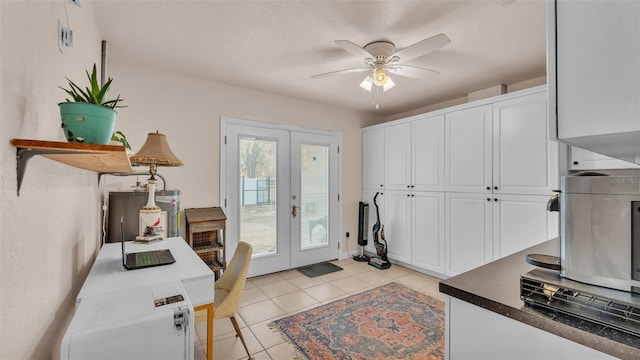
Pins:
x: 270, y: 297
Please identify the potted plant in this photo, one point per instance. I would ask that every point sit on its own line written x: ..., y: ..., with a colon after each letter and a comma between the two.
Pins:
x: 88, y: 116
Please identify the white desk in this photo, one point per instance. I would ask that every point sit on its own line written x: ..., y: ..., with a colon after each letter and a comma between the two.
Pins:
x: 108, y: 275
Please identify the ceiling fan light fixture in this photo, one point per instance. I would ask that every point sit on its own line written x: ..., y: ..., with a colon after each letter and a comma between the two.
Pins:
x: 380, y: 78
x: 367, y: 83
x: 389, y: 85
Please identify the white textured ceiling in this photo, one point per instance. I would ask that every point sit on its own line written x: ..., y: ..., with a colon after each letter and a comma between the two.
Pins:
x: 276, y: 46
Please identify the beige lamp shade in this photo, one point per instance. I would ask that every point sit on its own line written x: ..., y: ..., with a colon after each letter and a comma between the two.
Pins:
x: 155, y: 151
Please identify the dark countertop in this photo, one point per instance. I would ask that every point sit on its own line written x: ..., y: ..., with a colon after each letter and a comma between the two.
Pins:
x: 496, y: 287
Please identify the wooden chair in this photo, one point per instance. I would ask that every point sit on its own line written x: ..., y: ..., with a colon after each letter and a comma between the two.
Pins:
x: 229, y: 287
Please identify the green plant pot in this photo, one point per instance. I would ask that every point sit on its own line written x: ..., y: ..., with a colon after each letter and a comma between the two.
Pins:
x: 87, y: 123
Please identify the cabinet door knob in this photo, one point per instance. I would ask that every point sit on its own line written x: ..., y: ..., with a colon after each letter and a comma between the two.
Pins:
x: 488, y: 187
x: 412, y: 195
x: 495, y: 188
x: 495, y: 199
x: 408, y: 186
x: 575, y: 163
x: 412, y: 186
x: 488, y: 199
x: 381, y: 185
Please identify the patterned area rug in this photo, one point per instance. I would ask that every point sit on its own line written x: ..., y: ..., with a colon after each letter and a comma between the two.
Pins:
x: 388, y: 322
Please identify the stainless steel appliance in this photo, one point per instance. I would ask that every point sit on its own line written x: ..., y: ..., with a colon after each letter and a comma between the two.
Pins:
x: 600, y: 229
x: 128, y: 204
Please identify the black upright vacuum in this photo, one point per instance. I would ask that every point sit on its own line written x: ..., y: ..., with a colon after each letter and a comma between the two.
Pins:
x: 380, y: 261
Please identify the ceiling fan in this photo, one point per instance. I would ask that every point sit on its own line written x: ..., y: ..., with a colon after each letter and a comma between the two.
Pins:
x: 381, y: 58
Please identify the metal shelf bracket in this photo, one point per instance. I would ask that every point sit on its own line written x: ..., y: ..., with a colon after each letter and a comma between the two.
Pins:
x: 23, y: 155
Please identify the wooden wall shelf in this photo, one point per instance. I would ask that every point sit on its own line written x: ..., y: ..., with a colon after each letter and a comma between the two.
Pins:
x: 93, y: 157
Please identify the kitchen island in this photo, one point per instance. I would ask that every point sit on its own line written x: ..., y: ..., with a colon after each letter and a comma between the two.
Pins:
x: 486, y: 319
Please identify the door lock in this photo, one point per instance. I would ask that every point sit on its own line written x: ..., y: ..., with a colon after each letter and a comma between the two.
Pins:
x: 294, y: 210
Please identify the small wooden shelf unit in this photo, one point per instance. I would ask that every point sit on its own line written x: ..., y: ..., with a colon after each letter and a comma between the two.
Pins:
x: 206, y: 235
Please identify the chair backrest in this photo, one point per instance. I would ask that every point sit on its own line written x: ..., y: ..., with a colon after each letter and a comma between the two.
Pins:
x: 235, y: 275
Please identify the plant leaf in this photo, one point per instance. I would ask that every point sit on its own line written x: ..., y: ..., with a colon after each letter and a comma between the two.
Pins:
x: 92, y: 98
x: 101, y: 94
x: 82, y: 96
x: 93, y: 80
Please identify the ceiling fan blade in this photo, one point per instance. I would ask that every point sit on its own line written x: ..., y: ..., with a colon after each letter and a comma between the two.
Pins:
x: 423, y: 47
x: 340, y: 72
x: 353, y: 49
x: 413, y: 72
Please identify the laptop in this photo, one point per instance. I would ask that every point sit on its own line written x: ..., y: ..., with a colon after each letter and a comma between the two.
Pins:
x: 144, y: 259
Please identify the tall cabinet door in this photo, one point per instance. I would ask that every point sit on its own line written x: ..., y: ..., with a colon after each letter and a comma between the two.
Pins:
x: 525, y: 161
x: 427, y: 156
x: 468, y: 150
x: 521, y: 221
x: 427, y: 210
x: 373, y: 158
x: 468, y: 231
x: 397, y: 230
x: 397, y: 157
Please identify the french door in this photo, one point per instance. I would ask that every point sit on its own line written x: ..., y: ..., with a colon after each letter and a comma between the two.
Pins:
x: 280, y: 190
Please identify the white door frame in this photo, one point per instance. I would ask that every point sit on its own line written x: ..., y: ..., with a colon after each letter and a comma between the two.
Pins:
x: 230, y: 242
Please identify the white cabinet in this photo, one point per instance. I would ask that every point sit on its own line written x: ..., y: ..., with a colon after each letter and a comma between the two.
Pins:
x: 468, y: 232
x: 397, y: 225
x: 594, y: 77
x: 468, y: 149
x: 373, y: 153
x: 482, y: 228
x: 414, y: 228
x: 525, y: 161
x: 580, y: 159
x: 427, y: 229
x: 414, y: 156
x: 466, y: 185
x: 427, y: 156
x: 521, y: 221
x: 502, y: 148
x: 468, y: 337
x: 397, y: 160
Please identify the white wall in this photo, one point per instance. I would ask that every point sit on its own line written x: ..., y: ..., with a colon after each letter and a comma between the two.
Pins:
x: 48, y: 235
x: 188, y: 110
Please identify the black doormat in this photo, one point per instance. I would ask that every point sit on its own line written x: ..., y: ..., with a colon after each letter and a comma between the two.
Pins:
x: 319, y: 269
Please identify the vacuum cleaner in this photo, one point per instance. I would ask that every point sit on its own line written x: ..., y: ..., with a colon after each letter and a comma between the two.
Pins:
x: 380, y: 261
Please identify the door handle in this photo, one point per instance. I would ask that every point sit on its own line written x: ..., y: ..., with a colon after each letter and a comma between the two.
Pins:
x: 294, y: 210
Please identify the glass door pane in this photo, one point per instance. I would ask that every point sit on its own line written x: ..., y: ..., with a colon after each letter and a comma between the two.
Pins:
x: 257, y: 184
x: 258, y: 179
x: 314, y: 198
x: 314, y: 195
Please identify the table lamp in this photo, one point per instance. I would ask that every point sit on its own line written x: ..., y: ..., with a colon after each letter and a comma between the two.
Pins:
x: 155, y: 152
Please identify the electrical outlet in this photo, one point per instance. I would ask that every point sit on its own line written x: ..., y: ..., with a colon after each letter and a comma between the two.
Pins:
x: 75, y: 2
x: 65, y: 37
